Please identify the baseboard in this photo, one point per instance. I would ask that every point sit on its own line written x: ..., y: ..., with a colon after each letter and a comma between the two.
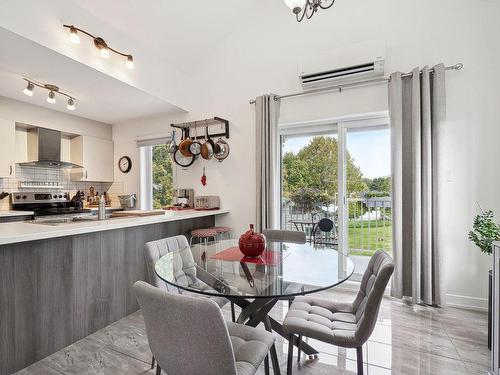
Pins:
x: 467, y: 302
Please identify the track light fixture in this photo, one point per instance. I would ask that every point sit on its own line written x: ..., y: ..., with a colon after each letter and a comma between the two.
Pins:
x: 52, y: 89
x: 99, y: 43
x: 306, y: 8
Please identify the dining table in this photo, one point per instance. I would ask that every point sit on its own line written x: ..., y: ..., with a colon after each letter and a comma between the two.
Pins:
x: 256, y: 284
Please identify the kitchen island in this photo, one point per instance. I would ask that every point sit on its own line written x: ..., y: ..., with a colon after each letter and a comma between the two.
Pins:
x: 61, y: 283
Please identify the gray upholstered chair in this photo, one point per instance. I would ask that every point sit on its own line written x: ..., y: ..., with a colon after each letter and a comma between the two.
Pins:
x: 284, y: 235
x: 348, y: 325
x: 186, y: 275
x: 189, y: 335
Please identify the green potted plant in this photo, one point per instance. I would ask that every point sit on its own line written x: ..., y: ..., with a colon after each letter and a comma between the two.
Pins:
x: 484, y: 232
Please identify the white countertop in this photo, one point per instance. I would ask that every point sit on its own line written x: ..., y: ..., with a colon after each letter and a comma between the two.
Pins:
x: 26, y: 231
x: 16, y: 213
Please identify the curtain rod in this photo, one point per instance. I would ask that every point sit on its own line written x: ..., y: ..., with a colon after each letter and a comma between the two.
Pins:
x: 354, y: 84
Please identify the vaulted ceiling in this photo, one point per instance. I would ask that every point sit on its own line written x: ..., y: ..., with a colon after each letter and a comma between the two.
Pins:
x: 169, y: 39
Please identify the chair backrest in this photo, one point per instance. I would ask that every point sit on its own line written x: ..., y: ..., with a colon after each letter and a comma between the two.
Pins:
x: 185, y: 274
x: 187, y: 335
x: 325, y: 225
x: 369, y: 298
x: 284, y: 235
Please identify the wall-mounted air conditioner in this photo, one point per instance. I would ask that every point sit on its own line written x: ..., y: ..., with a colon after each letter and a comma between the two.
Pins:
x: 344, y: 65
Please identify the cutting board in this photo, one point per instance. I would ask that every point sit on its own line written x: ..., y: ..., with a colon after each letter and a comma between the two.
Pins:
x: 137, y: 213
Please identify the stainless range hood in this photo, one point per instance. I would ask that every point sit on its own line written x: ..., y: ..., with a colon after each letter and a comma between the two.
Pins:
x: 44, y: 150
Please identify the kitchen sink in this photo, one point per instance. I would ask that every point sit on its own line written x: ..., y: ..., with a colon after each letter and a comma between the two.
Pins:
x: 66, y: 220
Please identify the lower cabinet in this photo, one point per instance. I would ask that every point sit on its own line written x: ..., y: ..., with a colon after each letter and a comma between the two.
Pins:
x: 55, y: 292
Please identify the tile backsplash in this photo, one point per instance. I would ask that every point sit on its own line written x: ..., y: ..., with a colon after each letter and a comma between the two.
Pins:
x: 56, y: 177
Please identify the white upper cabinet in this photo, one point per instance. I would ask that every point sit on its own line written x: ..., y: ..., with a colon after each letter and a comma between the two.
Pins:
x: 8, y: 148
x: 95, y: 155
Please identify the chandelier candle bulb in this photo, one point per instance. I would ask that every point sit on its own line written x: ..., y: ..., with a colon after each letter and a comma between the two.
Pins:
x: 295, y: 5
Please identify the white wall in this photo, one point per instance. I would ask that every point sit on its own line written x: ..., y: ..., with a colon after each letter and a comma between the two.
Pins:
x: 15, y: 110
x: 261, y: 57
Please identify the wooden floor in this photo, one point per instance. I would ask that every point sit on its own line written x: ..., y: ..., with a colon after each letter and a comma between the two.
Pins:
x: 406, y: 340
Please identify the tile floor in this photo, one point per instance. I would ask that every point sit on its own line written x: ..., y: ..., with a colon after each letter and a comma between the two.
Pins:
x: 406, y: 340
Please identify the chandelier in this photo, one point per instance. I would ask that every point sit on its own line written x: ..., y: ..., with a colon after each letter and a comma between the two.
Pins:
x: 306, y: 8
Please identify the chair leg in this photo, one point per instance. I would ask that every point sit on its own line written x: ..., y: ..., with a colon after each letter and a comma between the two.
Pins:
x: 266, y: 365
x: 359, y: 355
x: 290, y: 355
x: 274, y: 360
x: 153, y: 363
x: 233, y: 314
x: 298, y: 348
x: 158, y: 370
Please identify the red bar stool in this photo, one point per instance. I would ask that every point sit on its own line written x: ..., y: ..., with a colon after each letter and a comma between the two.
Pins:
x: 222, y: 232
x: 202, y: 235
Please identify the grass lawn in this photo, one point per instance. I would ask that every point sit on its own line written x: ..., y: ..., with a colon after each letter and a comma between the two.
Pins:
x: 365, y: 237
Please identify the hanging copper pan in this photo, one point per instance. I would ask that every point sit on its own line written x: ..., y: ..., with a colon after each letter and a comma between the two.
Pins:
x: 184, y: 145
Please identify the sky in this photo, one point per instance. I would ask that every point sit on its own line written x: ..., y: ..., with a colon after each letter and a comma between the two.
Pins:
x: 371, y: 150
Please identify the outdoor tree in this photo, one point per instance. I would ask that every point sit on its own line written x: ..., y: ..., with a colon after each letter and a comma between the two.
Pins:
x: 315, y: 167
x: 162, y: 177
x: 379, y: 184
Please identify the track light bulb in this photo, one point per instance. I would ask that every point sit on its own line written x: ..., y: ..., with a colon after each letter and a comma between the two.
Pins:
x: 71, y: 104
x: 29, y: 89
x: 51, y: 98
x: 73, y: 35
x: 104, y: 51
x: 130, y: 62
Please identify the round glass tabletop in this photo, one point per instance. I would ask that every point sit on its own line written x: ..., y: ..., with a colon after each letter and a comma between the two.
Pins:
x: 283, y: 270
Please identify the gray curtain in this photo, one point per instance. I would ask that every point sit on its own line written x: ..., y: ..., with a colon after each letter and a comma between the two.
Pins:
x: 267, y: 144
x: 418, y: 110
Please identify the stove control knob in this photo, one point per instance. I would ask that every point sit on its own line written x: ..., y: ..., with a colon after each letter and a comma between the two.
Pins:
x: 60, y: 196
x: 24, y: 197
x: 54, y: 196
x: 18, y: 197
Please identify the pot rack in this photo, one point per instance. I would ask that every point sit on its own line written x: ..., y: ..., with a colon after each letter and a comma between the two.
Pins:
x: 207, y: 123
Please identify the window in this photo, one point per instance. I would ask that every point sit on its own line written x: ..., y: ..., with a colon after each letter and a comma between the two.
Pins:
x: 339, y: 170
x: 157, y: 177
x: 162, y: 186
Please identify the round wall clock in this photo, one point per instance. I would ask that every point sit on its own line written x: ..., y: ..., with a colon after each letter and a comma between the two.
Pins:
x: 125, y: 164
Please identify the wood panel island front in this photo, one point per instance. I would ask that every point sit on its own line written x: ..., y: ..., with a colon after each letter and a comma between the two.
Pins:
x: 59, y: 284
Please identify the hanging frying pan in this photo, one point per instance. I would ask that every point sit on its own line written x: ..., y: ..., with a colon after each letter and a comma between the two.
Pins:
x: 171, y: 146
x: 184, y: 145
x: 179, y: 158
x: 207, y: 148
x: 195, y: 146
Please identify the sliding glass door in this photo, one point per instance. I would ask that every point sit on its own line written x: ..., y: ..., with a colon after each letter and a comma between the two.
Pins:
x: 336, y: 186
x: 309, y: 180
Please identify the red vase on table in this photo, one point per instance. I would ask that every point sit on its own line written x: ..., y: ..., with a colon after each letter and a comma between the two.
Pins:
x: 252, y: 244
